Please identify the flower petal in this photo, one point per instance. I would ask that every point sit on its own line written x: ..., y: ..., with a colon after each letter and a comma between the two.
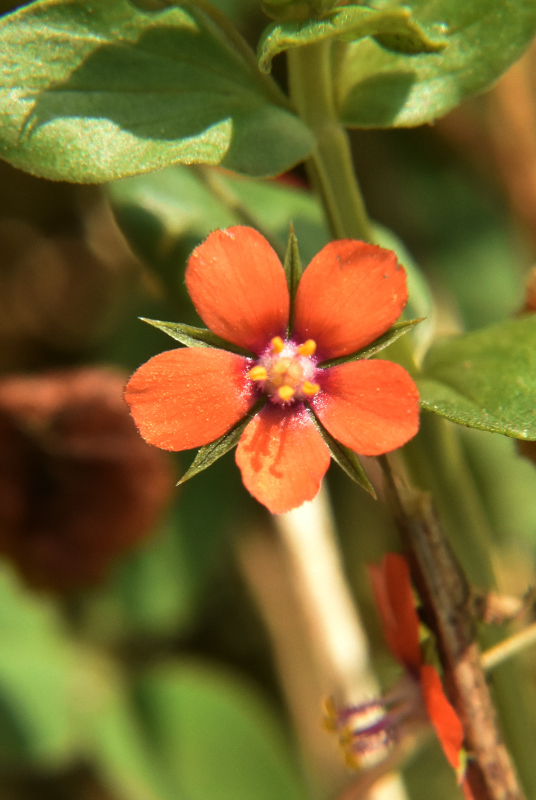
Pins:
x: 350, y: 294
x: 371, y: 406
x: 444, y: 718
x: 238, y: 287
x: 394, y: 600
x: 189, y: 397
x: 282, y: 457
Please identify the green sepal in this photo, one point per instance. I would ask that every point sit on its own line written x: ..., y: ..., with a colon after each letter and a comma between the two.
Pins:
x: 395, y: 332
x: 485, y: 379
x: 207, y: 455
x: 293, y: 272
x: 345, y: 458
x: 196, y: 337
x: 393, y: 29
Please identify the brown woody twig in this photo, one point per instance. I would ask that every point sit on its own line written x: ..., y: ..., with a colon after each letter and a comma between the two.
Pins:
x: 445, y: 597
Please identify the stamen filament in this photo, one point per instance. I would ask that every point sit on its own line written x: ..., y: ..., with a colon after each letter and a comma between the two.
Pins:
x: 281, y: 366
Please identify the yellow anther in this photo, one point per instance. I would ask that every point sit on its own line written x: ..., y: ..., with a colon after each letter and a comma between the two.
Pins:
x: 286, y: 393
x: 258, y: 374
x: 307, y: 348
x: 278, y: 345
x: 310, y: 388
x: 281, y: 366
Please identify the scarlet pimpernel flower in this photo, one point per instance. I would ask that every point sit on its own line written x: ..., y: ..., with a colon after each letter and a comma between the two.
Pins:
x: 418, y: 697
x: 286, y: 374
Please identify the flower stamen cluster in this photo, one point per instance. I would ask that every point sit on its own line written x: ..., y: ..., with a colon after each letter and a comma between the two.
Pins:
x: 285, y: 371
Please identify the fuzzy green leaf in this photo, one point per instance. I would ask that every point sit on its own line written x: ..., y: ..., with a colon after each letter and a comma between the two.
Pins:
x: 293, y: 271
x: 395, y: 332
x: 380, y: 89
x: 210, y: 453
x: 393, y: 28
x: 485, y: 379
x: 96, y: 90
x: 345, y: 458
x: 196, y: 337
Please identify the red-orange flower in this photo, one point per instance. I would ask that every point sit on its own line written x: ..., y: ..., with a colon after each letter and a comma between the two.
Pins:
x: 394, y: 599
x: 350, y: 294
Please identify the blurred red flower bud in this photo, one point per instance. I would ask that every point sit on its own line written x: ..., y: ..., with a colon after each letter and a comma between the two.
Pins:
x: 77, y: 484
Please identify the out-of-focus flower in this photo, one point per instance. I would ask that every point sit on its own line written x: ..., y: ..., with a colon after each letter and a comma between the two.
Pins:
x: 394, y: 598
x: 350, y: 294
x: 419, y: 695
x: 77, y: 484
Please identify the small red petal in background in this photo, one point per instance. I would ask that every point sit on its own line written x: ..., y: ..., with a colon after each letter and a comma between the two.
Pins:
x: 371, y: 406
x: 394, y: 600
x: 442, y: 715
x: 350, y: 294
x: 77, y: 484
x: 238, y: 286
x: 186, y: 398
x: 282, y: 458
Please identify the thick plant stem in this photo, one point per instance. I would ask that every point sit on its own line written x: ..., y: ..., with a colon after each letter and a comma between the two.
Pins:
x: 335, y: 630
x: 319, y: 644
x: 330, y: 165
x: 445, y: 595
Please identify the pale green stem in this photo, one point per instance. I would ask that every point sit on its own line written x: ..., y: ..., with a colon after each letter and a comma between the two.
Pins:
x: 331, y: 162
x: 509, y: 647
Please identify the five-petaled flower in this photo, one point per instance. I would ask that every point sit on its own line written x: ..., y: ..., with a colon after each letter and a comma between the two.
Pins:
x: 349, y: 295
x: 418, y: 698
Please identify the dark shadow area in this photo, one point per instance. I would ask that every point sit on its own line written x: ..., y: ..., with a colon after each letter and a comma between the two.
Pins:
x: 171, y: 84
x: 376, y: 101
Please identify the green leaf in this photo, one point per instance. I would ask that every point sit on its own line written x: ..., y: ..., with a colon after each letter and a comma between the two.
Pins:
x: 485, y: 379
x: 93, y: 91
x: 379, y: 89
x: 196, y: 337
x: 345, y: 458
x: 210, y: 453
x: 394, y: 28
x: 36, y: 664
x: 293, y: 272
x: 111, y: 731
x: 214, y: 737
x: 395, y: 332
